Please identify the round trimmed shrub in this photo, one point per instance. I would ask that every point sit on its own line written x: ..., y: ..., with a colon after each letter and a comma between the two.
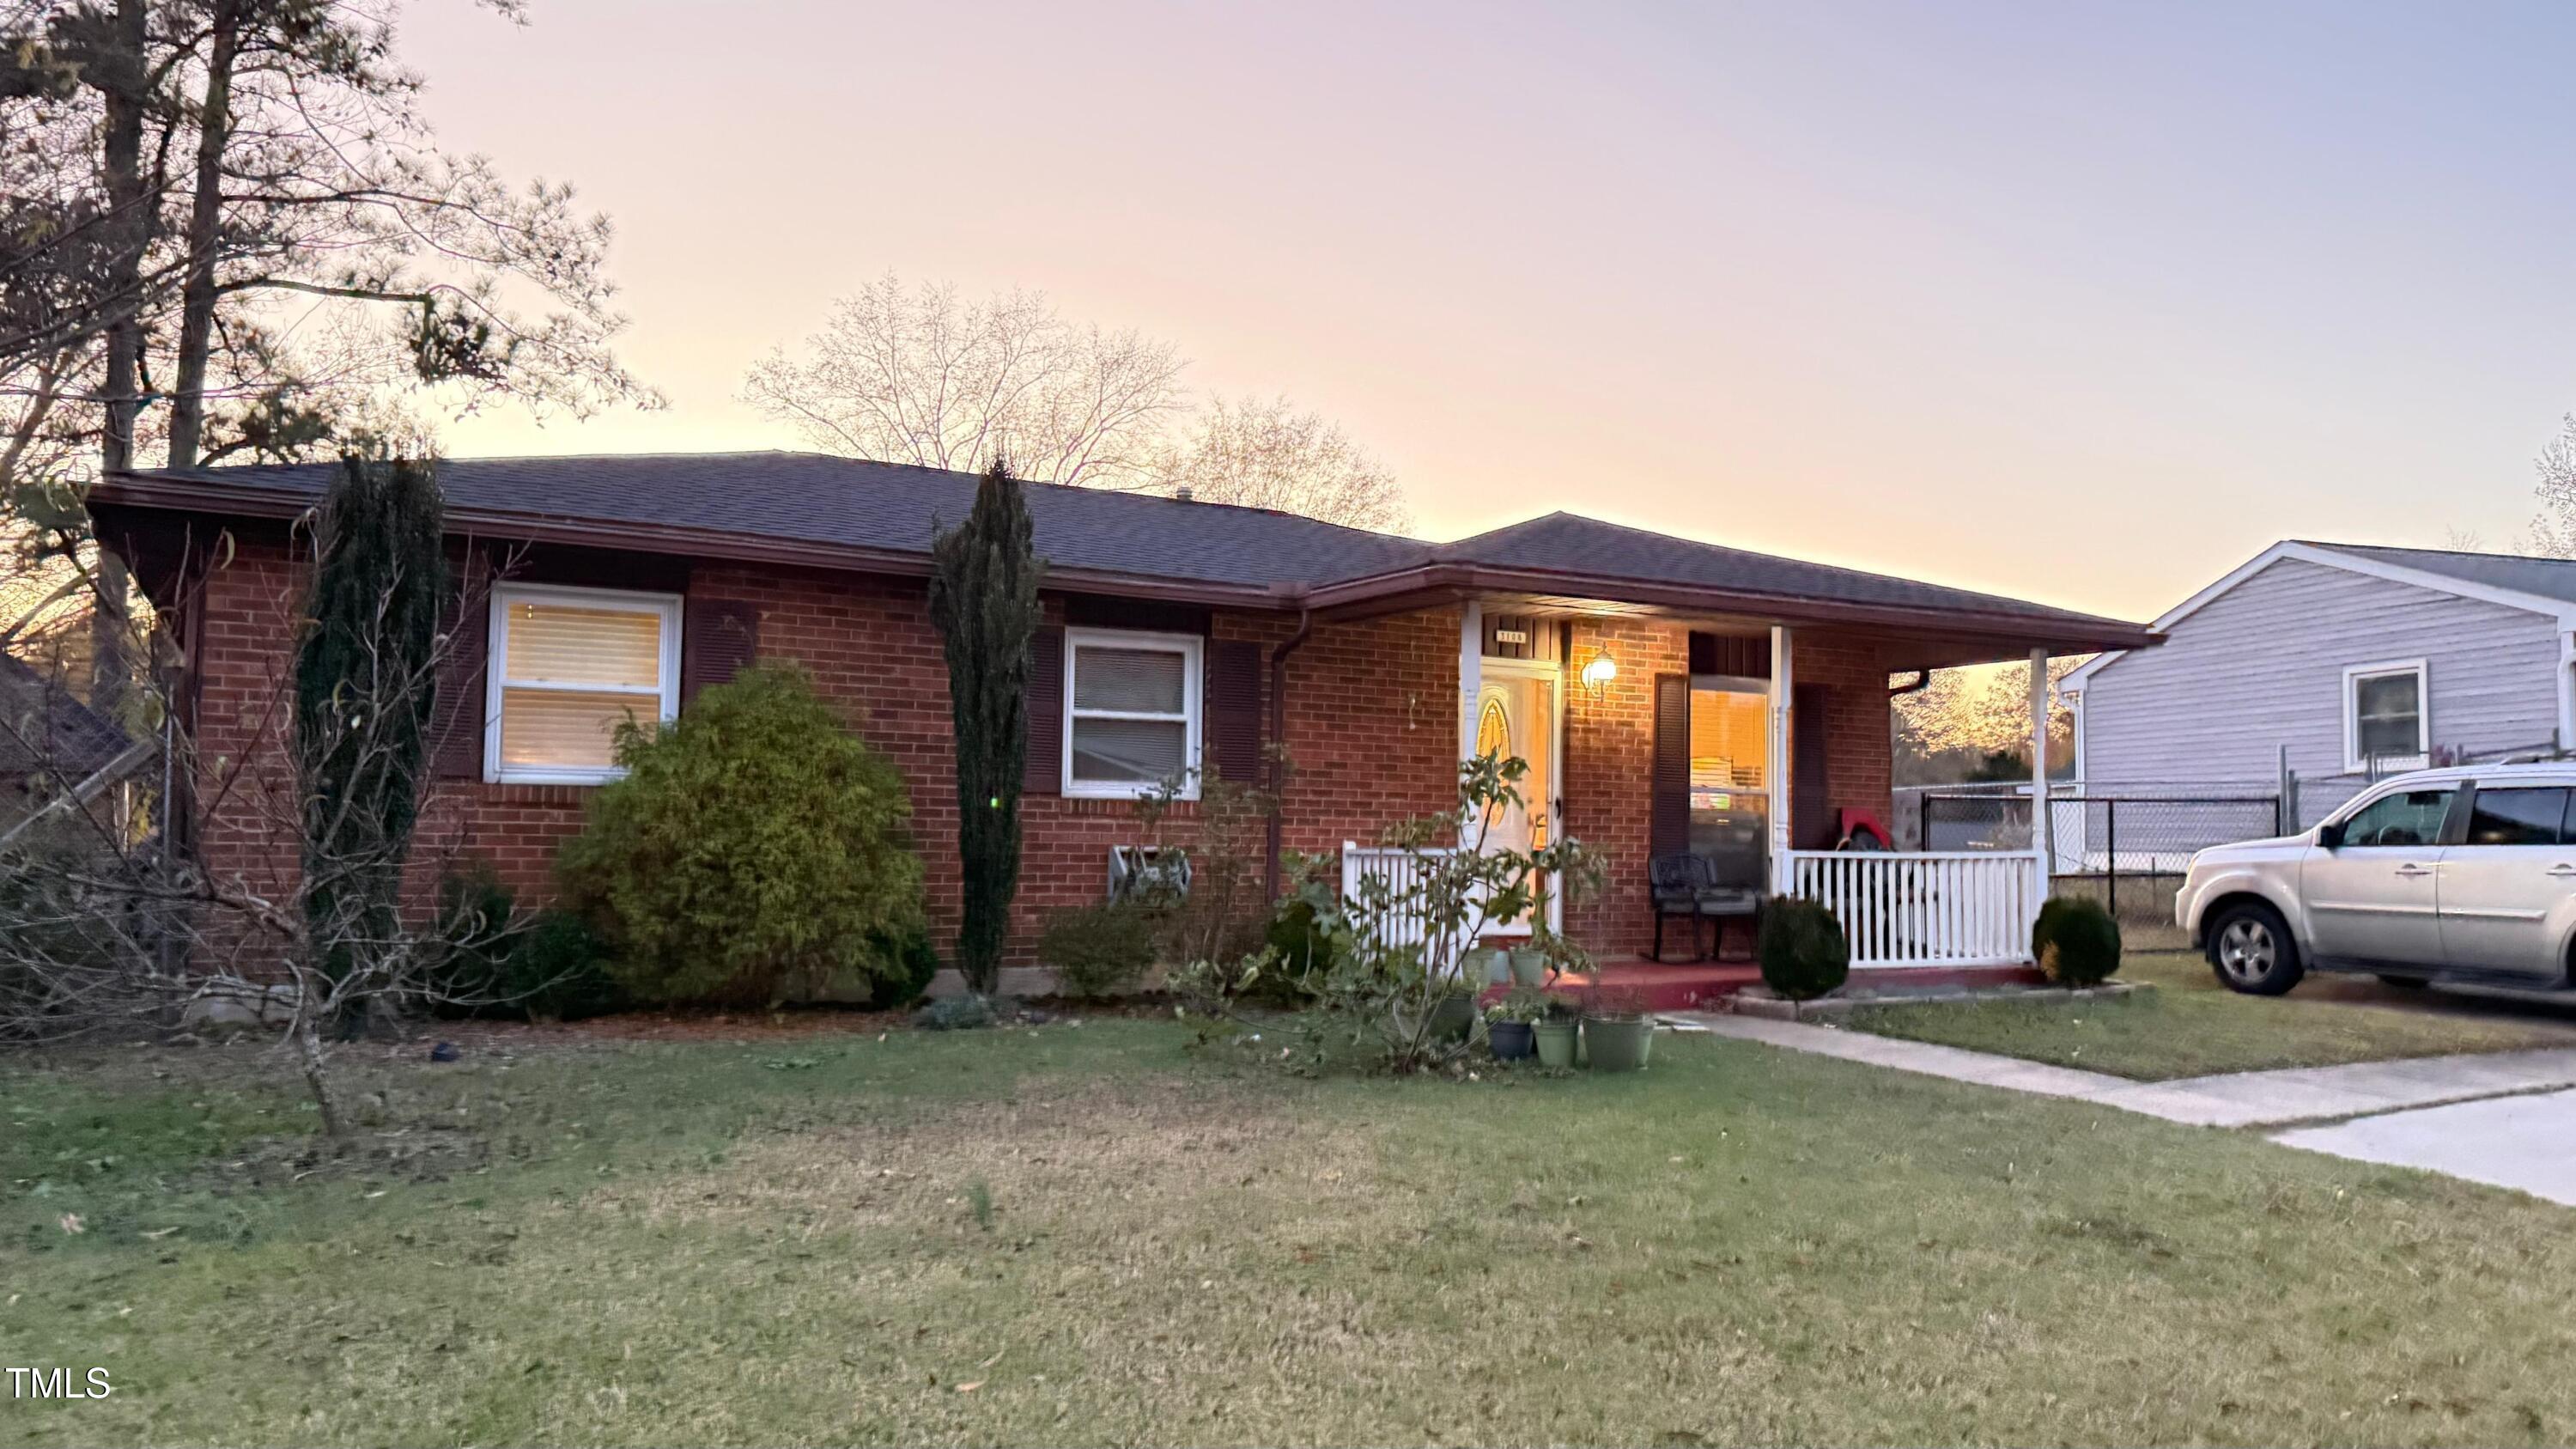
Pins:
x: 753, y: 851
x: 2075, y: 941
x: 906, y: 961
x: 1099, y: 950
x: 1803, y: 950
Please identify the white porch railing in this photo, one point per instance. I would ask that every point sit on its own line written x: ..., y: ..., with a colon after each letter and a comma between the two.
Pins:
x: 1948, y: 908
x: 1398, y: 873
x: 1401, y: 872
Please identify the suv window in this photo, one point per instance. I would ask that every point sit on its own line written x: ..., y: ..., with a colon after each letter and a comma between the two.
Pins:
x: 2409, y: 817
x: 2519, y: 815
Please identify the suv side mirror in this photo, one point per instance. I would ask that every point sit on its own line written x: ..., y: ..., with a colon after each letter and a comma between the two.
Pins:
x: 2330, y: 835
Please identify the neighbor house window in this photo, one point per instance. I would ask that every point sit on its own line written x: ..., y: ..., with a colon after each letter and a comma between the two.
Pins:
x: 1131, y: 712
x: 2384, y: 718
x: 570, y: 665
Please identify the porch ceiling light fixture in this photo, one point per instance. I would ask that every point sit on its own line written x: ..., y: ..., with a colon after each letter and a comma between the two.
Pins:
x: 1598, y: 672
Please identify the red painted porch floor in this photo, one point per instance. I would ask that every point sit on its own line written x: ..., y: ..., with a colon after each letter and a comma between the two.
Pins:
x: 1696, y: 985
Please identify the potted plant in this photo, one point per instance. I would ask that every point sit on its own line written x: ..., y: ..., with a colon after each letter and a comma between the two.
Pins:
x: 1555, y: 1033
x: 1511, y: 1031
x: 1618, y: 1032
x: 1488, y: 964
x: 1529, y: 964
x: 1453, y: 1015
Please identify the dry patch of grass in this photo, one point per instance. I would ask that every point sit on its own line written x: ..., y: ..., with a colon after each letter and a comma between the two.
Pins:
x: 1085, y: 1236
x: 2188, y: 1025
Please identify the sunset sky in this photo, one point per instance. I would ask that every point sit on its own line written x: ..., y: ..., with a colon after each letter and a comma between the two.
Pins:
x: 2080, y: 303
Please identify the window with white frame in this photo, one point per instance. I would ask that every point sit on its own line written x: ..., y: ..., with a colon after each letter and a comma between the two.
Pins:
x: 2386, y: 725
x: 567, y: 667
x: 1131, y: 712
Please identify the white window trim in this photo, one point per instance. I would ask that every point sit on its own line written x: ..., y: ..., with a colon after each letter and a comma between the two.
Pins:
x: 496, y: 668
x: 1193, y: 681
x: 2352, y: 677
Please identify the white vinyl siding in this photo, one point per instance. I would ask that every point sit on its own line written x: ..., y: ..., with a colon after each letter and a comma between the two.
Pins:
x: 1131, y: 712
x: 567, y: 667
x: 2263, y: 665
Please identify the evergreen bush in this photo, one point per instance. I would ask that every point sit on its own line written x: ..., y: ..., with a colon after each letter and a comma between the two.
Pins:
x: 1803, y: 949
x: 496, y: 962
x: 2075, y: 941
x: 1099, y: 950
x: 905, y: 963
x: 754, y: 850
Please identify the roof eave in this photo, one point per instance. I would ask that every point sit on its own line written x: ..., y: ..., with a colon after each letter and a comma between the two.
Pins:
x: 1431, y: 584
x: 139, y: 491
x: 1418, y: 586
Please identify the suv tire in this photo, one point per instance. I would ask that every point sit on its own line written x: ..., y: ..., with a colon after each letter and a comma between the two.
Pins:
x: 2252, y: 951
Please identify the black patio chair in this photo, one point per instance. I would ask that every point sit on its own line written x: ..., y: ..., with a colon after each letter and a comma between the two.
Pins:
x: 1688, y: 886
x: 1735, y: 893
x: 1676, y: 883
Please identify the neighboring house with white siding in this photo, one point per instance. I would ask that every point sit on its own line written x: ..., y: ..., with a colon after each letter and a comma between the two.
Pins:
x: 2359, y: 661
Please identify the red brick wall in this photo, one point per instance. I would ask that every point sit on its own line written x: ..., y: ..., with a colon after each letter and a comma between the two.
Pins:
x: 1369, y: 729
x: 1372, y: 731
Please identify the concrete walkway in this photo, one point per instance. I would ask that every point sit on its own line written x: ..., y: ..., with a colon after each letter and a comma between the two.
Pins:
x: 2235, y: 1099
x: 2526, y: 1142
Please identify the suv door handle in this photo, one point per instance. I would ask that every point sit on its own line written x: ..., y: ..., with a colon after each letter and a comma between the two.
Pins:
x: 2411, y: 870
x: 2562, y: 870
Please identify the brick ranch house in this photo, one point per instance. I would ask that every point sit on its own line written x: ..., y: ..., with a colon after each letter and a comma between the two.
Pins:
x: 1671, y: 696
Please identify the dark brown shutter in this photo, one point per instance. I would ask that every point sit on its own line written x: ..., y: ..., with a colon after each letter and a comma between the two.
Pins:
x: 456, y: 715
x: 1811, y: 815
x: 1045, y: 775
x: 1233, y: 744
x: 718, y: 640
x: 1668, y: 830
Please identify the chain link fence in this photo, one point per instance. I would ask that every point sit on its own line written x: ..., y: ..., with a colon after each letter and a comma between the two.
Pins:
x: 2129, y: 844
x: 2128, y: 850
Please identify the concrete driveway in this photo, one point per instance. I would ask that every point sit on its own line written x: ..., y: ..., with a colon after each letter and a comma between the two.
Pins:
x: 2503, y: 1118
x: 2526, y: 1142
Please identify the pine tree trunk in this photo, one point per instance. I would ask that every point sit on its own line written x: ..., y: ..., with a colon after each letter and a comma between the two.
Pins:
x: 197, y: 294
x: 121, y: 163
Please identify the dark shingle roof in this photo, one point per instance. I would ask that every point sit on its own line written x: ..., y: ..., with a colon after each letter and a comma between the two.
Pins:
x: 815, y: 499
x: 2551, y: 578
x: 1572, y: 543
x: 43, y: 728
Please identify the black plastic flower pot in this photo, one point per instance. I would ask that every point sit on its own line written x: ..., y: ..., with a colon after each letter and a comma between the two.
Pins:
x: 1512, y: 1041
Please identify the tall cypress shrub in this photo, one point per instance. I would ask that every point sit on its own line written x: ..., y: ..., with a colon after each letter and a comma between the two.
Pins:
x: 365, y: 681
x: 984, y: 598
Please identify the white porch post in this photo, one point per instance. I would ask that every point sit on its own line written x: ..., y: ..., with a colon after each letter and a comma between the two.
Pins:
x: 1775, y: 768
x: 1471, y: 673
x: 2039, y: 822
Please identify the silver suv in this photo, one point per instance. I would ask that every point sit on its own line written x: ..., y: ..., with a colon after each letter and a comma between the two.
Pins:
x: 2465, y: 874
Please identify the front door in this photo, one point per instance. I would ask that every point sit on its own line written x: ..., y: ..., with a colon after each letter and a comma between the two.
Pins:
x: 2373, y: 898
x: 2502, y: 884
x: 1516, y: 717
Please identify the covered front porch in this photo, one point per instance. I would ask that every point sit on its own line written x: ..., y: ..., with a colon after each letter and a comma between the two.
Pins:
x: 1715, y: 757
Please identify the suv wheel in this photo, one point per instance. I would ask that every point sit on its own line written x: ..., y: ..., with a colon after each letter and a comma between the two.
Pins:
x: 2251, y: 950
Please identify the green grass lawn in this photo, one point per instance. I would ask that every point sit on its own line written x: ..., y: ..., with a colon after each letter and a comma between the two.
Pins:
x: 1086, y: 1235
x: 2188, y: 1025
